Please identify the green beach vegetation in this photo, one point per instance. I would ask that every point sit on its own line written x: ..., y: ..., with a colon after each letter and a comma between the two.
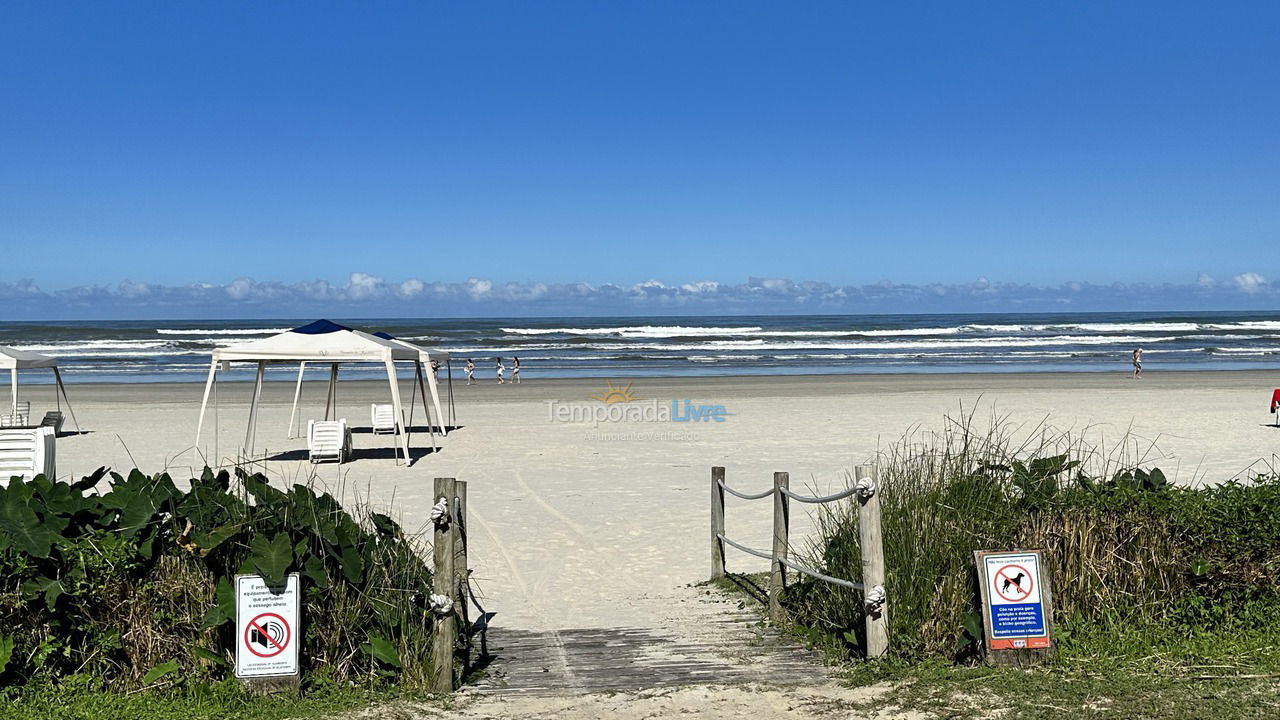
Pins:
x: 1160, y: 591
x: 110, y: 596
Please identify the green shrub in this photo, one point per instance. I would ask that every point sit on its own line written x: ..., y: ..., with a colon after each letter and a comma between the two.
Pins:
x: 133, y: 584
x: 1121, y: 544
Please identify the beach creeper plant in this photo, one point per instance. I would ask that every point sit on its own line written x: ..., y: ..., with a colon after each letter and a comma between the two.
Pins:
x: 132, y: 583
x: 1124, y: 547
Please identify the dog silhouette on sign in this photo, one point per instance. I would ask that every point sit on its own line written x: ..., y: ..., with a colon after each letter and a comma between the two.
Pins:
x: 1015, y: 581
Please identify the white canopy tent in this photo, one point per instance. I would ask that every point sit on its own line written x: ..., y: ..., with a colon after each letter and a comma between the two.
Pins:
x: 15, y: 360
x: 319, y: 342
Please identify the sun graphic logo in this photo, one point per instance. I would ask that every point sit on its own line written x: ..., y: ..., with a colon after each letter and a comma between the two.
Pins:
x: 616, y: 394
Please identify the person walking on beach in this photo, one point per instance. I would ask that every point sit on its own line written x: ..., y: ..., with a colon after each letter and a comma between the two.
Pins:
x: 1137, y: 364
x: 471, y: 371
x: 515, y: 369
x: 501, y: 369
x: 435, y: 370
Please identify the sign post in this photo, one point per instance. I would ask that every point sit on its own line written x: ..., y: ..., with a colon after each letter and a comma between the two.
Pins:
x: 268, y: 633
x: 1017, y: 612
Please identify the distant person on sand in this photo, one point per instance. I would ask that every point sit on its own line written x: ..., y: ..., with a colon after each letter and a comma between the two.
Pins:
x: 501, y: 369
x: 515, y: 369
x: 435, y: 370
x: 1137, y: 364
x: 471, y: 372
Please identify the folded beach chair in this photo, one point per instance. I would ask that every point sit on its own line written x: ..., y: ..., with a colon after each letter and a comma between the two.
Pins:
x: 53, y: 419
x: 19, y: 419
x: 383, y: 419
x: 27, y: 452
x: 328, y: 440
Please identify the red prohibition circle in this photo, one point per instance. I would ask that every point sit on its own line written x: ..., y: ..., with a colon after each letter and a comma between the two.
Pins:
x: 256, y: 624
x: 1000, y: 575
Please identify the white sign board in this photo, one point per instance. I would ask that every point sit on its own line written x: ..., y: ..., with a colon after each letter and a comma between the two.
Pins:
x: 267, y: 629
x: 1015, y: 594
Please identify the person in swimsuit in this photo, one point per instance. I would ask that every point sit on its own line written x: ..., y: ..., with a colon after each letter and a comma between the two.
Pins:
x: 471, y: 371
x: 501, y: 369
x: 1137, y: 364
x: 515, y: 370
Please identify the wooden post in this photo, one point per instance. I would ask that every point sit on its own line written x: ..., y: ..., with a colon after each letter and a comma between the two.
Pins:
x: 461, y: 568
x: 872, y: 544
x: 781, y: 527
x: 717, y: 522
x: 444, y: 582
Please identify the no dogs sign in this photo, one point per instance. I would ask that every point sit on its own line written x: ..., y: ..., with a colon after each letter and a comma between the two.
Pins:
x: 1015, y: 599
x: 267, y: 631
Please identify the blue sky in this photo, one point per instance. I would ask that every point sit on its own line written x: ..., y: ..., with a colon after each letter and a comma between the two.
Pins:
x: 172, y: 145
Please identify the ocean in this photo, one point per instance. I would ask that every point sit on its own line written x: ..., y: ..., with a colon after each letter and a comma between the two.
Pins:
x: 616, y: 347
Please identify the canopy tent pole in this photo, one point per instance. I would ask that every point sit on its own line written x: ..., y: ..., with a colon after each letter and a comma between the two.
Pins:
x: 57, y: 376
x: 331, y: 400
x: 297, y: 394
x: 425, y: 407
x: 13, y: 389
x: 413, y: 400
x: 435, y: 397
x: 253, y: 410
x: 453, y: 417
x: 213, y: 371
x: 395, y: 402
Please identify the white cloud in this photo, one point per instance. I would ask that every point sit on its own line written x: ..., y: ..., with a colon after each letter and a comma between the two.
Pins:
x: 368, y: 295
x: 410, y: 288
x: 1249, y: 282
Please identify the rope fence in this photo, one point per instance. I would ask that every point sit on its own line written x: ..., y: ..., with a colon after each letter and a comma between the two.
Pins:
x: 870, y: 542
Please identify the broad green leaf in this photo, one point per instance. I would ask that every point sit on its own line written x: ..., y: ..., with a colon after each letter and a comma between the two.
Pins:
x: 210, y: 541
x: 314, y: 571
x: 385, y: 525
x: 382, y: 649
x: 225, y: 609
x: 6, y: 651
x: 271, y: 558
x: 352, y: 564
x: 973, y: 625
x: 210, y: 656
x: 91, y: 481
x: 160, y: 671
x: 23, y: 528
x: 137, y: 512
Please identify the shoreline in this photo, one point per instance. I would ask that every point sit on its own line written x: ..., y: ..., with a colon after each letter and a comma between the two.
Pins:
x: 485, y: 390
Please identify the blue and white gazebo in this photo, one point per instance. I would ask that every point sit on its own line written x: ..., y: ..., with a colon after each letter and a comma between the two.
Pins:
x: 319, y: 342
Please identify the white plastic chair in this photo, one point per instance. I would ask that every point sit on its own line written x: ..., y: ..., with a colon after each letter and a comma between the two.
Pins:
x: 383, y: 419
x: 19, y: 419
x: 53, y: 419
x: 328, y: 440
x: 27, y: 452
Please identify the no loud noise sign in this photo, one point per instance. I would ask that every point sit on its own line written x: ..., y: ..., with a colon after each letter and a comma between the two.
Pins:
x: 1015, y: 600
x: 267, y: 629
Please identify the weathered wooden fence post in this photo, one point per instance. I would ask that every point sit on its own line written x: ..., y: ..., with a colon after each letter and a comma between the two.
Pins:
x: 875, y: 603
x: 461, y: 568
x: 445, y: 584
x: 717, y: 522
x: 781, y: 528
